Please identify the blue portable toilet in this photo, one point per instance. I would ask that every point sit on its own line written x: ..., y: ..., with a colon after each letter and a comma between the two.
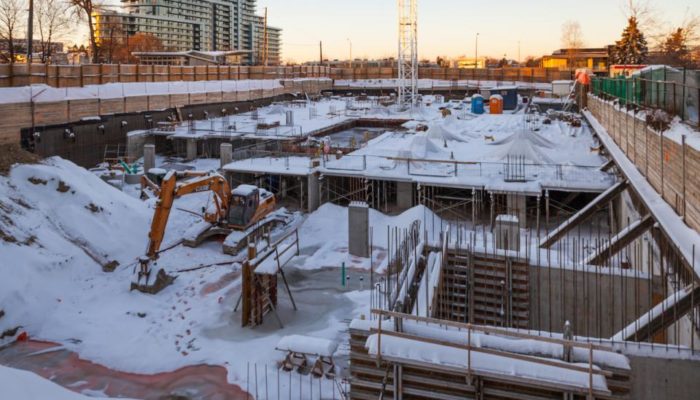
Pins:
x: 477, y: 104
x: 509, y: 94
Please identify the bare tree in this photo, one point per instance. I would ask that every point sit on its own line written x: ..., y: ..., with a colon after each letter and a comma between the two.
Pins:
x: 11, y: 22
x: 572, y: 40
x: 84, y: 9
x: 53, y: 20
x: 648, y: 16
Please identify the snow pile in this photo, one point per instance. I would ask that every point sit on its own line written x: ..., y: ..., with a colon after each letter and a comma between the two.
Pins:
x: 19, y: 384
x: 307, y: 345
x: 59, y: 223
x: 422, y: 147
x: 323, y: 237
x: 523, y: 143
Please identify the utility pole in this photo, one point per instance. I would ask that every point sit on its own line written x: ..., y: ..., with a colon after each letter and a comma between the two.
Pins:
x: 476, y: 52
x: 519, y: 59
x: 320, y: 48
x: 30, y: 32
x: 350, y: 59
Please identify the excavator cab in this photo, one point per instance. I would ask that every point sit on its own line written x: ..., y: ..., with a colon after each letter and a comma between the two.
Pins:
x: 244, y: 202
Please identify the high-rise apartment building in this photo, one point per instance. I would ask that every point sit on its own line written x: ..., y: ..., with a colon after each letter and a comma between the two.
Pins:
x: 203, y: 25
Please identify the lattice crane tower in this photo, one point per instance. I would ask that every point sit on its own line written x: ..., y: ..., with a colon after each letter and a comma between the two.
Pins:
x: 408, y: 52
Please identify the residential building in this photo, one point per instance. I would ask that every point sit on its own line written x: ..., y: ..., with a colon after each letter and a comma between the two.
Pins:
x: 595, y: 59
x: 191, y: 57
x: 467, y: 62
x: 198, y: 25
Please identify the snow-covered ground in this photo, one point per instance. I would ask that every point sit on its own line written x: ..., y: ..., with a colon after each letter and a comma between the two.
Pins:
x: 60, y: 223
x: 24, y: 385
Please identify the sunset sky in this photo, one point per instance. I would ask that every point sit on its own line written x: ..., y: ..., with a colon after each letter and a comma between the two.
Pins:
x: 448, y: 27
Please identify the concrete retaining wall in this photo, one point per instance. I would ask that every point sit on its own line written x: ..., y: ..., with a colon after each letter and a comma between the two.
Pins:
x: 16, y: 116
x: 669, y: 166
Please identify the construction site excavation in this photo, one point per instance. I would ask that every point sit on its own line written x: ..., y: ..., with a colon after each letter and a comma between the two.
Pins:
x: 308, y: 232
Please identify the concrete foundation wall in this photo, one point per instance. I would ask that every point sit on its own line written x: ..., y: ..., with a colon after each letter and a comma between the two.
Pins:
x: 598, y: 304
x: 657, y: 379
x: 22, y: 115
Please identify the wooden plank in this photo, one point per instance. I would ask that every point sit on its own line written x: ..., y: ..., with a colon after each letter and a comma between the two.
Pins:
x: 620, y: 241
x: 598, y: 203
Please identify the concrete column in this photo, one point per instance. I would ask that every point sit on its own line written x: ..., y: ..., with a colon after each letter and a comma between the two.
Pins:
x: 191, y: 149
x: 313, y: 193
x: 404, y: 195
x: 517, y: 206
x: 226, y: 153
x: 507, y: 233
x: 358, y: 229
x: 149, y: 157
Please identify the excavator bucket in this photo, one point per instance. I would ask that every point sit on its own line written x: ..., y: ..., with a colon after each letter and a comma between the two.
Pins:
x: 162, y: 281
x: 144, y: 284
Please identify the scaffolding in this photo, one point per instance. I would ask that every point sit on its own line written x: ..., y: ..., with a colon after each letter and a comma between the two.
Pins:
x: 408, y: 53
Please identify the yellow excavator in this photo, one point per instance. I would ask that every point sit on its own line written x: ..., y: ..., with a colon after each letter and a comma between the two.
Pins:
x: 243, y: 212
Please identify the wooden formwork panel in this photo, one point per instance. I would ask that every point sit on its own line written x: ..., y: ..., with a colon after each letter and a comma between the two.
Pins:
x: 127, y: 73
x: 200, y: 72
x: 91, y: 74
x: 68, y: 76
x: 14, y: 117
x: 111, y: 106
x: 198, y: 98
x: 78, y: 109
x: 372, y: 380
x: 158, y: 102
x: 179, y: 100
x: 243, y: 73
x: 160, y: 73
x: 135, y: 103
x: 485, y: 289
x: 50, y: 113
x: 229, y: 96
x: 188, y: 73
x: 214, y: 97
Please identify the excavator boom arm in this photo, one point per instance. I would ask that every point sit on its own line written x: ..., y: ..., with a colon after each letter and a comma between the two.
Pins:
x: 169, y: 191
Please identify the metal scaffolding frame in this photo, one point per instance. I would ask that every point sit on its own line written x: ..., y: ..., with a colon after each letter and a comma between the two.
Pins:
x: 408, y: 53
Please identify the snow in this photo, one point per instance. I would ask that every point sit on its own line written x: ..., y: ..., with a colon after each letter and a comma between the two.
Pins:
x: 287, y: 165
x: 448, y: 356
x: 54, y: 287
x: 18, y: 384
x: 307, y: 345
x: 44, y: 93
x: 459, y: 153
x: 507, y: 218
x: 437, y: 84
x: 244, y: 190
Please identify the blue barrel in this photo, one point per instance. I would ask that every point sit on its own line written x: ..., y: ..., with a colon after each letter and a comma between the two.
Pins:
x: 477, y: 104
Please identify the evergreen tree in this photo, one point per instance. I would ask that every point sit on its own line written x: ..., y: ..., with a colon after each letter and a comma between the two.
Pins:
x: 632, y: 47
x: 675, y: 48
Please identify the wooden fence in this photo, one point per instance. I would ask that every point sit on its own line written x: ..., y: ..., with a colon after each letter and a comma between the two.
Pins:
x: 94, y: 74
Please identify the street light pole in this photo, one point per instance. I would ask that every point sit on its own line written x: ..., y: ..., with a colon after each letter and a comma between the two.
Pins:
x: 476, y: 52
x: 30, y: 31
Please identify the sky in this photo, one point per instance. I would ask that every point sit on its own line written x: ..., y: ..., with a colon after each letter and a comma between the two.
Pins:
x: 449, y: 27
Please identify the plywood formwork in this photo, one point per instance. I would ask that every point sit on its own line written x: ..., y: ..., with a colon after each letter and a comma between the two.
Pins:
x: 375, y: 377
x: 487, y: 289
